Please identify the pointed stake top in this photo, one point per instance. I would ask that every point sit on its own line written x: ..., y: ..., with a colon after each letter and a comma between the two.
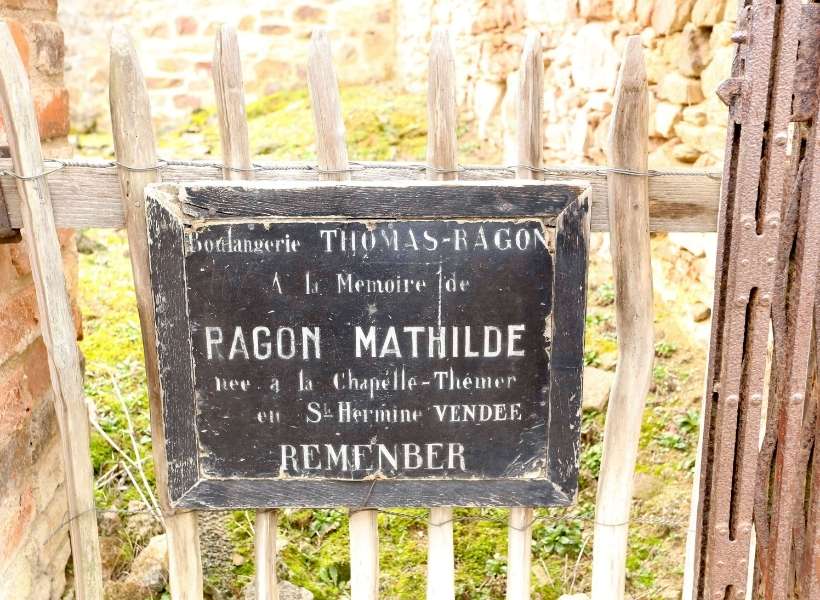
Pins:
x: 632, y: 74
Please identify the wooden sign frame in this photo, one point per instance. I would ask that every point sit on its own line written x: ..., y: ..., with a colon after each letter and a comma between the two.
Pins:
x: 174, y: 208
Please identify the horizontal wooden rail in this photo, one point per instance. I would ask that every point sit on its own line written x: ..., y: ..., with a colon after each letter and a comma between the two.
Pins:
x: 87, y: 194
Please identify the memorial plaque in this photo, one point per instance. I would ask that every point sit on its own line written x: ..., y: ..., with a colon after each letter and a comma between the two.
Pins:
x: 370, y: 344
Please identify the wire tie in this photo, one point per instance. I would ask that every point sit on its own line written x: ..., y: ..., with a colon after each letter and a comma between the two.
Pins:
x: 161, y: 164
x: 440, y: 171
x: 60, y: 165
x: 352, y: 167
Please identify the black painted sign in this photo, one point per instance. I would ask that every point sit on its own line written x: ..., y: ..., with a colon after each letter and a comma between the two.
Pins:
x: 363, y: 358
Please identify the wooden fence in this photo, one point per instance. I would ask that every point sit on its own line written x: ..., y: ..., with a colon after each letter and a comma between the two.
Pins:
x: 628, y: 200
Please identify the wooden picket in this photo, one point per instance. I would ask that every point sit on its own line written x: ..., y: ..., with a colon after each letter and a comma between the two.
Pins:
x: 628, y: 149
x: 136, y: 153
x: 625, y: 209
x: 236, y: 158
x: 442, y: 165
x: 331, y: 152
x: 530, y: 158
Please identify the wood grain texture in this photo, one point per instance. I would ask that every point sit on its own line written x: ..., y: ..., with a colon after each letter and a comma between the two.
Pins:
x: 384, y: 493
x: 379, y: 200
x: 264, y: 547
x: 442, y: 165
x: 135, y: 146
x: 230, y: 106
x: 629, y: 209
x: 519, y: 553
x: 530, y: 154
x: 90, y: 197
x: 331, y: 150
x: 55, y: 316
x: 236, y: 156
x: 442, y: 145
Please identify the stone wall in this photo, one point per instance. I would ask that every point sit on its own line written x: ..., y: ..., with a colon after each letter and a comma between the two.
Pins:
x: 688, y: 45
x: 34, y: 545
x: 688, y: 53
x: 176, y: 40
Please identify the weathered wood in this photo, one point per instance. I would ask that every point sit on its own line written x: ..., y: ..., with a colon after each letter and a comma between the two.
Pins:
x: 55, y: 316
x: 378, y: 200
x: 331, y: 148
x: 265, y: 555
x: 442, y: 144
x: 236, y: 158
x: 442, y: 165
x: 135, y: 148
x: 530, y: 157
x: 519, y: 553
x: 629, y: 210
x: 230, y: 106
x: 331, y: 151
x: 90, y: 197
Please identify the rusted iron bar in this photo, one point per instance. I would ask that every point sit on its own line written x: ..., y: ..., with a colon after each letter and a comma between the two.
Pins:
x: 756, y: 173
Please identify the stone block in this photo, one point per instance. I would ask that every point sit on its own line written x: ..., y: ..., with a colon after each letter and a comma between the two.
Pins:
x: 666, y: 115
x: 669, y: 16
x: 624, y: 10
x: 706, y: 13
x: 486, y: 103
x: 307, y: 13
x: 186, y: 25
x: 710, y: 138
x: 678, y: 89
x: 17, y: 575
x: 696, y: 115
x: 643, y: 11
x: 595, y: 9
x: 693, y: 50
x: 717, y: 71
x: 594, y: 60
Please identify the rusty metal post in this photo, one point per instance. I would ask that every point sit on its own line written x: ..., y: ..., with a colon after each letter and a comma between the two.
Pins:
x: 768, y: 255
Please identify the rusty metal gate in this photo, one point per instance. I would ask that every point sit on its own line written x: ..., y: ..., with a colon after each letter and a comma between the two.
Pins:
x: 758, y: 494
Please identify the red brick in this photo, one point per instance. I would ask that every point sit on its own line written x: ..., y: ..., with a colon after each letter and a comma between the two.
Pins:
x: 37, y: 373
x: 309, y: 14
x: 19, y: 259
x: 186, y: 25
x: 274, y: 29
x: 162, y: 83
x: 14, y: 400
x: 8, y: 274
x: 187, y: 101
x: 66, y: 237
x: 21, y: 505
x: 50, y: 5
x: 52, y: 114
x: 18, y: 318
x: 49, y: 47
